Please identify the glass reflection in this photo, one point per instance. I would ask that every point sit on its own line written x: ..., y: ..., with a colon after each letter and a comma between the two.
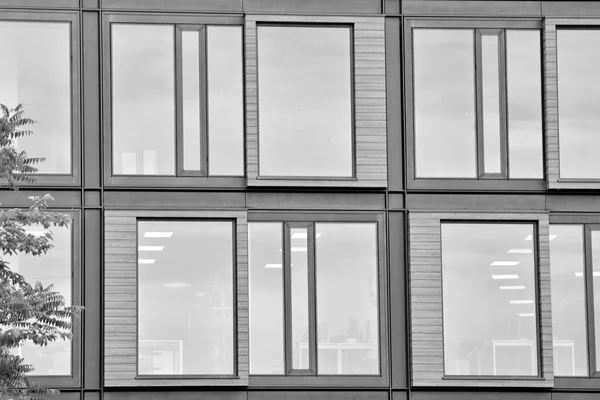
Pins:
x: 266, y: 298
x: 578, y: 103
x: 35, y: 70
x: 305, y: 121
x: 444, y: 103
x: 185, y: 298
x: 568, y: 300
x: 225, y: 100
x: 489, y: 300
x: 347, y: 299
x: 53, y: 268
x: 143, y: 99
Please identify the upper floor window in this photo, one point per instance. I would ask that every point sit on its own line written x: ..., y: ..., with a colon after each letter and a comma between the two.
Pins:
x: 477, y: 111
x: 177, y: 99
x: 305, y: 101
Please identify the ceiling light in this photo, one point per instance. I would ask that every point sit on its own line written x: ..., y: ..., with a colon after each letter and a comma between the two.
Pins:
x: 520, y: 301
x: 580, y: 274
x: 298, y: 248
x: 552, y: 237
x: 158, y: 234
x: 176, y: 285
x: 520, y: 251
x: 151, y: 248
x: 528, y: 237
x: 526, y: 314
x: 302, y: 235
x: 512, y: 287
x: 146, y: 261
x: 505, y: 263
x: 273, y: 266
x: 507, y: 276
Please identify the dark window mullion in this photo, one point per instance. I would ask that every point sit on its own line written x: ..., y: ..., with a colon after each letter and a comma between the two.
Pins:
x: 589, y: 288
x: 312, y: 299
x: 203, y: 101
x: 502, y: 72
x: 479, y: 103
x: 287, y: 296
x: 178, y: 101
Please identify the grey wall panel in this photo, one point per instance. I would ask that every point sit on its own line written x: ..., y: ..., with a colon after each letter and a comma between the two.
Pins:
x: 396, y: 201
x: 475, y: 202
x: 314, y: 6
x: 316, y: 395
x: 307, y: 201
x: 91, y: 396
x: 92, y: 228
x: 172, y: 395
x: 392, y: 6
x: 468, y: 7
x: 40, y: 3
x: 91, y: 99
x: 394, y: 103
x: 175, y: 5
x: 573, y: 203
x: 399, y: 396
x: 479, y: 396
x: 90, y: 3
x: 570, y: 8
x: 63, y: 198
x: 173, y: 200
x: 398, y: 300
x: 575, y: 396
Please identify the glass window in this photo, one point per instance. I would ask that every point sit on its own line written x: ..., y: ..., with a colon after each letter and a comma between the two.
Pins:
x: 35, y: 70
x: 305, y: 101
x: 185, y: 301
x: 568, y: 300
x: 490, y: 323
x: 169, y: 83
x: 336, y: 264
x: 53, y: 268
x: 470, y: 124
x: 578, y: 103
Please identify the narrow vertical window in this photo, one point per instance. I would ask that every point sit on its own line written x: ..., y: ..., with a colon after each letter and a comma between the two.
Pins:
x: 567, y: 267
x: 490, y: 71
x: 185, y: 302
x: 190, y: 64
x: 490, y: 324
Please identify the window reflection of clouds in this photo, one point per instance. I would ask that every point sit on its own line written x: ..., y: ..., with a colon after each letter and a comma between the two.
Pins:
x: 35, y: 69
x: 444, y: 96
x: 304, y: 101
x: 578, y: 58
x: 483, y: 332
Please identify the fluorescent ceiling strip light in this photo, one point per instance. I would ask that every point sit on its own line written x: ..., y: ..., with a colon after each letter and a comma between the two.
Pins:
x: 526, y: 314
x: 528, y: 237
x: 507, y: 276
x: 302, y: 235
x: 580, y: 274
x: 176, y: 285
x: 146, y: 261
x: 158, y: 234
x: 273, y: 266
x: 512, y: 287
x: 151, y: 248
x: 505, y: 263
x: 299, y: 249
x: 520, y: 301
x: 520, y: 251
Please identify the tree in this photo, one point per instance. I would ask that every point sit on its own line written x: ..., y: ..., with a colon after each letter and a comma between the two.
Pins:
x: 28, y: 312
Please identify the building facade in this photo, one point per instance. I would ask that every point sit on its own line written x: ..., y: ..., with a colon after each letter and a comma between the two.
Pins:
x: 310, y: 200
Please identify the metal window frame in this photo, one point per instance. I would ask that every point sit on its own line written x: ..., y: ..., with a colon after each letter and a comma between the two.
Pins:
x: 181, y: 178
x: 482, y: 180
x: 72, y: 18
x: 308, y: 220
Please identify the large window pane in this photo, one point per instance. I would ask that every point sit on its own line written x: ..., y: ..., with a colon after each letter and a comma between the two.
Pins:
x: 53, y: 268
x: 185, y: 298
x: 35, y: 70
x: 299, y: 298
x: 568, y: 300
x: 444, y: 103
x: 488, y: 278
x: 347, y: 298
x: 266, y: 298
x: 524, y: 91
x: 305, y: 120
x: 143, y: 99
x: 225, y: 100
x: 491, y: 104
x: 579, y: 103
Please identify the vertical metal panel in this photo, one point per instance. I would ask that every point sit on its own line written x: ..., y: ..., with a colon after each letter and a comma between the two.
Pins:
x: 92, y: 289
x: 395, y: 154
x: 397, y: 283
x: 91, y: 98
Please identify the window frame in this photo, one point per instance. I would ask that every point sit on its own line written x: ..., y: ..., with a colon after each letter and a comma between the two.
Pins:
x: 72, y: 17
x: 73, y: 380
x: 181, y: 178
x: 551, y: 102
x: 588, y: 224
x: 482, y: 180
x: 425, y: 271
x: 368, y: 74
x: 294, y: 378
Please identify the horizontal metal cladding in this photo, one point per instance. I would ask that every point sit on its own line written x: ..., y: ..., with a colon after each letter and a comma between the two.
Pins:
x: 369, y: 100
x: 425, y: 282
x: 120, y: 298
x: 496, y: 8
